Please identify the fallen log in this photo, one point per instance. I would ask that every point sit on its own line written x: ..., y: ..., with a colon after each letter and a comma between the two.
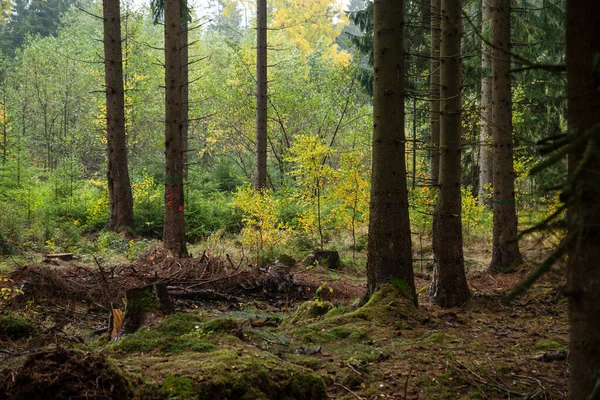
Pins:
x: 58, y: 256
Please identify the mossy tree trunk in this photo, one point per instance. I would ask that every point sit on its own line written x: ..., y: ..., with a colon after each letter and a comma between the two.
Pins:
x: 389, y: 257
x: 583, y: 276
x: 505, y: 251
x: 119, y: 187
x: 174, y: 228
x: 486, y: 162
x: 449, y: 286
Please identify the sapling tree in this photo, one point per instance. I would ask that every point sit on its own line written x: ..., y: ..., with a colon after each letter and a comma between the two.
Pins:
x: 312, y: 177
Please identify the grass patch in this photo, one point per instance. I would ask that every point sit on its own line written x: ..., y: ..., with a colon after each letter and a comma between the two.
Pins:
x: 547, y: 344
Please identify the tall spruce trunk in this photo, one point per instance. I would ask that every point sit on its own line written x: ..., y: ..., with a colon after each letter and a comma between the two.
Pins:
x: 505, y: 251
x: 119, y: 187
x: 486, y: 162
x: 174, y: 228
x: 185, y: 90
x: 389, y: 257
x: 434, y: 88
x: 449, y: 285
x: 583, y: 276
x: 261, y: 94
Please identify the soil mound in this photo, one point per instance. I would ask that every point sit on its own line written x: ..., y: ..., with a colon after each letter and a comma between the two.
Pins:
x: 64, y: 374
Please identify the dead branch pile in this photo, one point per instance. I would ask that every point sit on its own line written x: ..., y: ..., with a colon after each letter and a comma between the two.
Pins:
x: 206, y: 277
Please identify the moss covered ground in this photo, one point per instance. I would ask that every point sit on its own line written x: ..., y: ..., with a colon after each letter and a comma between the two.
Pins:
x: 320, y: 349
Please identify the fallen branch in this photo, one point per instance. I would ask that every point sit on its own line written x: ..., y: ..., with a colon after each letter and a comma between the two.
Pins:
x: 205, y: 294
x: 348, y: 390
x: 551, y: 357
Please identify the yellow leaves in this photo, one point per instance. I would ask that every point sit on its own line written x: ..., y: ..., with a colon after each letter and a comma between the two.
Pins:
x: 309, y: 24
x: 263, y: 225
x: 8, y: 289
x: 145, y: 189
x: 99, y: 184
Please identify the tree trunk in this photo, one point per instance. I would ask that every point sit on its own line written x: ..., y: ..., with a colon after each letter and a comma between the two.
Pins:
x: 434, y: 88
x: 505, y: 251
x: 119, y: 186
x: 389, y: 256
x: 486, y: 161
x: 174, y: 228
x: 185, y: 90
x: 261, y: 94
x: 583, y: 276
x: 4, y: 130
x: 449, y: 286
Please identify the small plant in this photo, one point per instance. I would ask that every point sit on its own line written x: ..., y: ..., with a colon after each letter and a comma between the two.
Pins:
x: 110, y: 240
x: 264, y: 228
x: 323, y: 287
x: 8, y: 290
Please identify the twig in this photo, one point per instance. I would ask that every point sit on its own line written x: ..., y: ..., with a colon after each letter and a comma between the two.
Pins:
x: 352, y: 368
x: 406, y: 383
x: 214, y: 280
x: 348, y: 390
x: 494, y: 384
x: 230, y: 262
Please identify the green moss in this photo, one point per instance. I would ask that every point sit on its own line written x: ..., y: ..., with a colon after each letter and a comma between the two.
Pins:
x: 403, y: 286
x: 229, y: 374
x: 385, y: 305
x: 13, y: 326
x: 178, y: 333
x: 220, y: 325
x: 310, y: 310
x: 345, y: 332
x: 145, y: 340
x: 336, y: 312
x: 177, y: 387
x: 438, y: 337
x: 547, y: 344
x: 338, y: 332
x: 180, y: 323
x: 360, y: 335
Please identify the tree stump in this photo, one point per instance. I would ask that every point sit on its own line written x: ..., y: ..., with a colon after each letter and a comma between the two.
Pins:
x: 327, y: 258
x: 143, y: 305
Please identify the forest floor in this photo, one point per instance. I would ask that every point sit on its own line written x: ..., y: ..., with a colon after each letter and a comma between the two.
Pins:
x: 277, y: 332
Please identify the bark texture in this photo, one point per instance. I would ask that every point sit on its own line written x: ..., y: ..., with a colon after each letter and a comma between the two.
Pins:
x: 389, y: 258
x: 449, y: 285
x: 119, y: 186
x: 486, y: 161
x: 174, y: 228
x: 261, y: 94
x: 185, y: 90
x: 434, y: 88
x: 583, y: 276
x: 505, y: 251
